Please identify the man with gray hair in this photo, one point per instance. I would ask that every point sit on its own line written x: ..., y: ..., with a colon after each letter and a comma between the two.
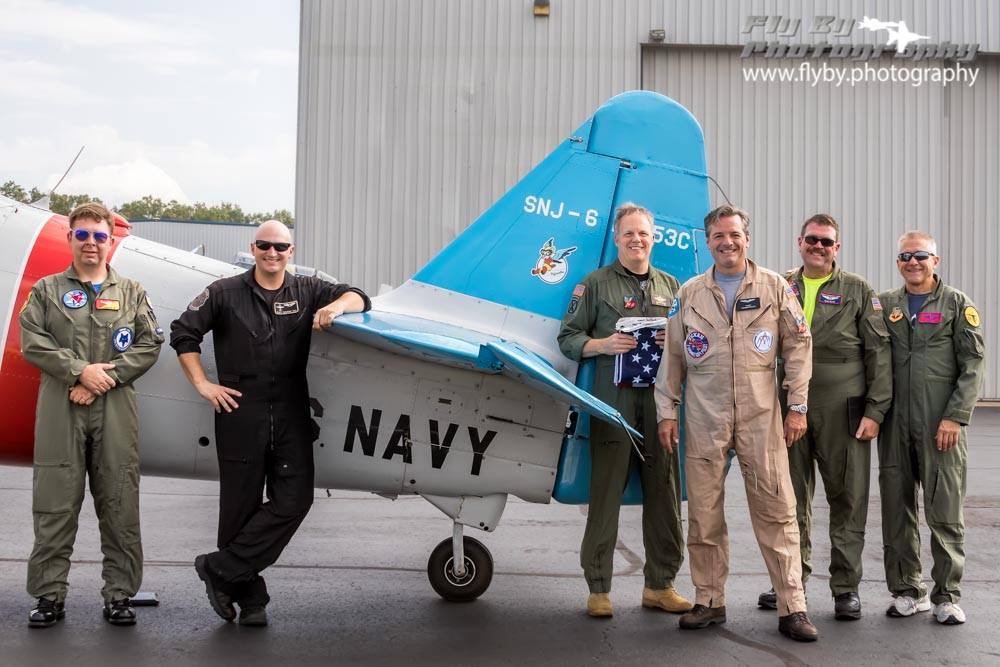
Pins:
x: 937, y: 368
x: 629, y: 287
x: 262, y: 322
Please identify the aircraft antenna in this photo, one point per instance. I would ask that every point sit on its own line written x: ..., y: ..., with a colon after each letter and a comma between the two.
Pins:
x: 724, y: 195
x: 44, y: 201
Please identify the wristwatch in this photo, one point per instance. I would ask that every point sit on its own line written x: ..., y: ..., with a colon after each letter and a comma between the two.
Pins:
x: 801, y: 408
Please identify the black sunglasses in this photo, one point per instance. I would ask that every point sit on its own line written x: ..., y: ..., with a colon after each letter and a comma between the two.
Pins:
x: 920, y: 256
x: 267, y: 245
x: 83, y: 235
x: 822, y: 240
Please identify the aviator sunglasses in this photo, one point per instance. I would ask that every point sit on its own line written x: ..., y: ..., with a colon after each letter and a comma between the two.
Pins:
x: 83, y: 235
x: 267, y: 245
x: 823, y: 241
x: 920, y: 256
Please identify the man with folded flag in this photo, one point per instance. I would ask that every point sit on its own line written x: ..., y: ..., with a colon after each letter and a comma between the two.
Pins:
x: 628, y: 288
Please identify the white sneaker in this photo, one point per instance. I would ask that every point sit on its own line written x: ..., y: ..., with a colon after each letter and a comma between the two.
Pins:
x: 949, y: 613
x: 904, y: 605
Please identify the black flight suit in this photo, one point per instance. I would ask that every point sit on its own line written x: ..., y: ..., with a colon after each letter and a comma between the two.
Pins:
x: 261, y: 349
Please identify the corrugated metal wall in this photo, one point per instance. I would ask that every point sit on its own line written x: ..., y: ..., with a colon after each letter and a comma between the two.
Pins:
x: 415, y: 116
x: 222, y: 241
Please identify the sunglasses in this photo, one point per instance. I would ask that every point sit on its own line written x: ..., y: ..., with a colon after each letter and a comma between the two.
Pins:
x: 823, y: 241
x: 920, y: 256
x: 83, y: 235
x: 267, y: 245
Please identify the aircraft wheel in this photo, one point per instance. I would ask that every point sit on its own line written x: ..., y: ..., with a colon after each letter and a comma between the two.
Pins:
x: 478, y: 571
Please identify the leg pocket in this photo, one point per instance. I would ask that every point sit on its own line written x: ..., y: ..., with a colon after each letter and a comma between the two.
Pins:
x: 56, y: 487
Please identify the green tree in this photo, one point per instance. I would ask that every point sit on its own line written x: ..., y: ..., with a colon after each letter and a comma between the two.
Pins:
x: 14, y: 191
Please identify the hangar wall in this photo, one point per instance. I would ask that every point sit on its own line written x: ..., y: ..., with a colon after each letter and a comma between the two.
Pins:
x: 414, y: 117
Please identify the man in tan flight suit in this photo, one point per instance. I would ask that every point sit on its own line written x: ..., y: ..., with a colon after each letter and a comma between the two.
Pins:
x: 731, y: 324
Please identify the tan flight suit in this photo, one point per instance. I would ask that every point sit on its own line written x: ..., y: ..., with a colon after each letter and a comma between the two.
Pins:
x: 731, y: 400
x: 65, y: 327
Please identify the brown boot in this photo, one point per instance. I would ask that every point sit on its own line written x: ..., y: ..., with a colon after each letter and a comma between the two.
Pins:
x: 798, y: 626
x: 702, y: 617
x: 599, y: 605
x: 667, y: 599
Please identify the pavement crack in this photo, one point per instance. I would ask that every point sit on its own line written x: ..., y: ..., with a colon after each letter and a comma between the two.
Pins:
x: 784, y: 656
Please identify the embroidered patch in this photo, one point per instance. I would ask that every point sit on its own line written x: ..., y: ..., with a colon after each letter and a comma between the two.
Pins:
x: 630, y: 302
x: 579, y: 289
x: 800, y: 323
x: 24, y: 305
x: 574, y: 303
x: 658, y: 300
x: 750, y: 303
x: 830, y: 299
x: 793, y: 290
x: 763, y: 341
x: 696, y: 344
x: 971, y: 316
x: 896, y: 314
x: 122, y: 339
x: 674, y: 307
x: 876, y: 304
x: 107, y: 304
x: 199, y: 300
x: 75, y: 298
x: 929, y: 318
x: 286, y: 307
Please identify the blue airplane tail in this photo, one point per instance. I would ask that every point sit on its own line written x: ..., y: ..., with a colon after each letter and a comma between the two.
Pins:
x: 538, y: 241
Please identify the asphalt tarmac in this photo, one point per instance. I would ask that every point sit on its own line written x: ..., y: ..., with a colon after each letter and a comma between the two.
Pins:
x: 352, y: 588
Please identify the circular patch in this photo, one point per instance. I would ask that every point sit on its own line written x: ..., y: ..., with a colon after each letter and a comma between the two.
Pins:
x: 972, y: 316
x: 696, y: 344
x: 122, y: 339
x: 763, y: 341
x: 198, y: 301
x: 75, y: 298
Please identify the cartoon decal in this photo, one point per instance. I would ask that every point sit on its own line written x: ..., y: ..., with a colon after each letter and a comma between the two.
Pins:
x: 552, y: 265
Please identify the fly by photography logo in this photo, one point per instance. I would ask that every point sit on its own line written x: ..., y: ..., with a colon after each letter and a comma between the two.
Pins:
x: 831, y: 56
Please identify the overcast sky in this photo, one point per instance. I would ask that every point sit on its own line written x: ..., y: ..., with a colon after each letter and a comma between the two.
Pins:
x: 181, y: 99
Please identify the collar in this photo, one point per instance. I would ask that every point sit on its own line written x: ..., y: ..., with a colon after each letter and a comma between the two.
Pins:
x: 799, y: 274
x: 751, y: 275
x: 254, y: 285
x: 111, y: 278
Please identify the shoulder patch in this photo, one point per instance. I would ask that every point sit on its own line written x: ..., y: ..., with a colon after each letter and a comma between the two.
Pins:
x: 876, y: 304
x: 971, y: 316
x: 674, y: 307
x: 199, y: 300
x: 579, y: 290
x: 24, y: 305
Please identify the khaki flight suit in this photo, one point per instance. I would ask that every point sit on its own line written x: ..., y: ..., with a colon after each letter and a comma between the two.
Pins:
x: 65, y: 327
x: 597, y: 305
x: 731, y: 400
x: 937, y: 367
x: 851, y: 358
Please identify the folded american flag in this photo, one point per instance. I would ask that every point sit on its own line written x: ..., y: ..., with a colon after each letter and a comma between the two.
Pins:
x: 637, y: 368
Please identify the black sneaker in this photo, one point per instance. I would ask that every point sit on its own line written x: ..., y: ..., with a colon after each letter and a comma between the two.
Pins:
x: 119, y: 612
x: 847, y: 607
x: 46, y: 613
x: 221, y: 602
x: 768, y: 600
x: 255, y: 617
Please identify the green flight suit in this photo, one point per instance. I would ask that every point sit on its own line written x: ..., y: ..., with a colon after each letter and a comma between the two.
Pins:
x: 937, y: 369
x: 65, y: 327
x: 852, y: 358
x: 597, y: 305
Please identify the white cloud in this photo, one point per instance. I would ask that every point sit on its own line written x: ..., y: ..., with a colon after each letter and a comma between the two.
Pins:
x: 248, y: 76
x: 121, y: 182
x: 282, y: 57
x: 36, y: 81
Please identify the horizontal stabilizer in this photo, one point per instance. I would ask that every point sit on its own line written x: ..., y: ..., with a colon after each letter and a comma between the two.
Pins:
x: 463, y: 348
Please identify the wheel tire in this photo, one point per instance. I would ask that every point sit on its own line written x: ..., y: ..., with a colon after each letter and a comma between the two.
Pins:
x: 478, y: 569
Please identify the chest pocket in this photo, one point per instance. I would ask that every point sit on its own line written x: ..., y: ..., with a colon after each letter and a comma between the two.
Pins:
x: 760, y: 335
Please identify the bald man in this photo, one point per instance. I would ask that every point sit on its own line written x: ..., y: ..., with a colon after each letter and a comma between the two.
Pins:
x: 261, y: 322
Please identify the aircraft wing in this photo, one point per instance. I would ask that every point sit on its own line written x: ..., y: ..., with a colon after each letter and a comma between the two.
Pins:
x: 455, y: 346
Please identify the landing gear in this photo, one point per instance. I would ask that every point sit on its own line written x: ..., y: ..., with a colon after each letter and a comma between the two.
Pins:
x: 467, y: 580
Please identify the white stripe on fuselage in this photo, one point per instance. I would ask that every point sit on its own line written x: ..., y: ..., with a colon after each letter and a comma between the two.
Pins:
x: 20, y: 225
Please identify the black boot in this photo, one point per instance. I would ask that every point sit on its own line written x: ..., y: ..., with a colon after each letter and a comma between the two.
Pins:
x: 768, y: 600
x: 119, y: 612
x: 46, y: 613
x: 221, y: 602
x: 847, y: 607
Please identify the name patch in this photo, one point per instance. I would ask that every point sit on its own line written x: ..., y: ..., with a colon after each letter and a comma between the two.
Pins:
x: 107, y: 304
x: 286, y: 307
x: 929, y: 318
x: 658, y: 300
x: 750, y: 303
x: 830, y: 299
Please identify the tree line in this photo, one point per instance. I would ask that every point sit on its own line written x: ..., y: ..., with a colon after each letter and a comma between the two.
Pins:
x: 150, y: 207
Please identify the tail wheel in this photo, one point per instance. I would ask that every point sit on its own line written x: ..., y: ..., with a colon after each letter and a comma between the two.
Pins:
x: 473, y: 583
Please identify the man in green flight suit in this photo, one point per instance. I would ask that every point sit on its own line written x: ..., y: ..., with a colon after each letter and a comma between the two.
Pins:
x: 92, y: 333
x: 850, y: 391
x: 937, y: 369
x: 629, y: 287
